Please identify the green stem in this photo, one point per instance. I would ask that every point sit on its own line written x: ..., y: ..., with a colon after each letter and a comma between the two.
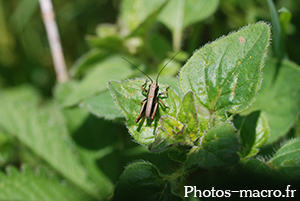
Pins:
x: 173, y: 177
x: 177, y: 34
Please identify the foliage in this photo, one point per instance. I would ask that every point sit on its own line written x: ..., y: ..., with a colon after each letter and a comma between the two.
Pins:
x: 231, y: 113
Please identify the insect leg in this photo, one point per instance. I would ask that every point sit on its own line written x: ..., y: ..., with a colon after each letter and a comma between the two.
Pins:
x: 143, y: 100
x: 143, y: 87
x: 163, y: 93
x: 141, y: 112
x: 154, y: 110
x: 162, y: 103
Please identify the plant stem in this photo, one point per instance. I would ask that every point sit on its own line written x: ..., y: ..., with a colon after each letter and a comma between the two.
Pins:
x: 54, y: 40
x: 177, y: 34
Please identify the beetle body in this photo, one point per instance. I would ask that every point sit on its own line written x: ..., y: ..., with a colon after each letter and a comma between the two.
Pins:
x: 151, y: 99
x: 150, y: 103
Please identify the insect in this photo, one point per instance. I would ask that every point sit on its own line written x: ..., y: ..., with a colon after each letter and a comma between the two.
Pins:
x: 150, y: 103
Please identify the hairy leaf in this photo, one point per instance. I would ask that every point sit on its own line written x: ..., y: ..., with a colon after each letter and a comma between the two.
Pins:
x: 178, y: 132
x: 218, y: 148
x: 128, y: 96
x: 225, y: 75
x: 170, y: 133
x: 287, y: 159
x: 259, y: 168
x: 143, y: 181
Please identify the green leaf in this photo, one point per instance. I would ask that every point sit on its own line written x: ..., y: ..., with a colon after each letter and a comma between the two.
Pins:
x: 218, y: 148
x: 171, y: 126
x: 172, y: 82
x: 162, y: 141
x: 43, y: 131
x: 143, y: 181
x: 287, y: 159
x: 26, y: 93
x: 262, y: 130
x: 128, y: 96
x: 179, y: 14
x: 285, y: 19
x: 254, y: 131
x: 158, y: 45
x: 63, y: 90
x: 96, y: 80
x: 87, y: 61
x: 258, y: 168
x: 179, y: 153
x: 16, y: 185
x: 137, y: 15
x: 248, y: 132
x: 102, y: 105
x: 279, y: 98
x: 178, y: 132
x: 109, y: 43
x: 225, y: 75
x: 75, y: 118
x: 97, y: 175
x: 22, y: 15
x: 171, y: 133
x: 188, y: 116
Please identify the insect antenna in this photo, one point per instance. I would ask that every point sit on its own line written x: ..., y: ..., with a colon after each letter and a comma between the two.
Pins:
x: 165, y: 66
x: 138, y: 69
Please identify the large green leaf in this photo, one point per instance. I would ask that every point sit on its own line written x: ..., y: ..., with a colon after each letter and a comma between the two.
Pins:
x: 218, y: 148
x: 128, y: 96
x: 225, y: 75
x: 38, y: 185
x: 43, y: 131
x: 287, y: 159
x: 143, y: 181
x: 279, y: 97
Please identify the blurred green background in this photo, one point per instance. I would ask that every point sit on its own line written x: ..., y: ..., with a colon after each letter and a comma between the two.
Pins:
x: 25, y: 55
x: 25, y: 58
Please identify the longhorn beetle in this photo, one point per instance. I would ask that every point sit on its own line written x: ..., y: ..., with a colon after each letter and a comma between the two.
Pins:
x: 150, y: 103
